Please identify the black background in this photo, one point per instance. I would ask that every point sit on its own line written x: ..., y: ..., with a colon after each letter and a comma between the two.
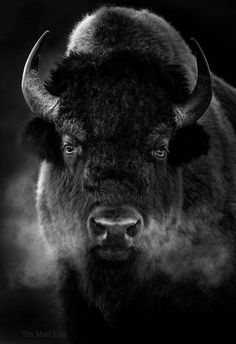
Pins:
x: 25, y: 292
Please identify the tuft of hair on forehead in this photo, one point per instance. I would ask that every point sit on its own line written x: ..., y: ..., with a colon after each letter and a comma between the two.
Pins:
x: 71, y: 70
x: 120, y: 94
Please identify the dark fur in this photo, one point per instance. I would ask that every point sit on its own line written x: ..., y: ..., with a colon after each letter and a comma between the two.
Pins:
x: 40, y: 137
x: 178, y: 313
x: 186, y: 144
x: 77, y: 65
x: 180, y: 278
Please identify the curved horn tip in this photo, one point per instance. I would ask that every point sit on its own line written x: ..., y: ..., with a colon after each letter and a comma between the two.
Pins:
x: 43, y: 36
x: 38, y: 44
x: 197, y: 50
x: 39, y: 100
x: 198, y: 101
x: 195, y: 42
x: 32, y: 57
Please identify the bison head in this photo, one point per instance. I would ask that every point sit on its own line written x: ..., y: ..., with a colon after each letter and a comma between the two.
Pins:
x: 114, y: 128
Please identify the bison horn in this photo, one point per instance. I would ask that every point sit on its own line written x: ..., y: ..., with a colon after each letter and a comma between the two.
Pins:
x: 198, y: 101
x: 39, y: 100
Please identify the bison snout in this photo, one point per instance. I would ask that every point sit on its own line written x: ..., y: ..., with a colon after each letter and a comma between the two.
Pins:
x: 114, y: 227
x: 114, y: 230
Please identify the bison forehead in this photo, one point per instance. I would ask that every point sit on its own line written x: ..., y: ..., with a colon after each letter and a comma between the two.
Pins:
x: 117, y: 102
x: 124, y: 109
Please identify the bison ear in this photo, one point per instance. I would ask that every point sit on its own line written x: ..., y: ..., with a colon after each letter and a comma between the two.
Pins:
x: 188, y: 144
x: 40, y: 137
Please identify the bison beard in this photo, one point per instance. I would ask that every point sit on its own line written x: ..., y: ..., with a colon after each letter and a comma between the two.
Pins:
x: 136, y: 192
x: 108, y: 304
x: 98, y: 300
x: 109, y: 286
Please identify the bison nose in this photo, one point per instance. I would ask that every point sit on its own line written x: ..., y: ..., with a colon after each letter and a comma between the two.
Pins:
x: 107, y: 229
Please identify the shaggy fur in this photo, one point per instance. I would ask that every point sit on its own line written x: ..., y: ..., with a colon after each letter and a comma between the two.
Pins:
x: 122, y: 73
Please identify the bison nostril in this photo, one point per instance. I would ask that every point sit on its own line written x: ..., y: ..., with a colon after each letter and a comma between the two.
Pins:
x: 114, y: 226
x: 133, y: 230
x: 97, y: 229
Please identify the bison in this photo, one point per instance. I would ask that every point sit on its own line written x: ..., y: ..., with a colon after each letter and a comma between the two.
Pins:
x: 136, y: 193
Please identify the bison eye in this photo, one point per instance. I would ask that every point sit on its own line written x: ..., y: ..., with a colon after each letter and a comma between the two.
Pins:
x: 159, y: 153
x: 71, y: 146
x: 69, y: 149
